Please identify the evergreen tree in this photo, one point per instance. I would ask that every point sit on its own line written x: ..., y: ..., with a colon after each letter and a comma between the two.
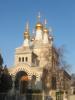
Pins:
x: 5, y: 77
x: 1, y: 60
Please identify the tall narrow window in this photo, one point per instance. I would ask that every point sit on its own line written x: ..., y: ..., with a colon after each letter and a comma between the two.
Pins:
x: 53, y: 83
x: 22, y: 59
x: 19, y: 59
x: 26, y: 59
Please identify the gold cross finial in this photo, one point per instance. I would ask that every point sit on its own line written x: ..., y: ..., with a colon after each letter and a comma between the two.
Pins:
x: 26, y: 33
x: 51, y: 33
x: 39, y: 16
x: 50, y: 29
x: 33, y: 31
x: 45, y: 22
x: 27, y: 27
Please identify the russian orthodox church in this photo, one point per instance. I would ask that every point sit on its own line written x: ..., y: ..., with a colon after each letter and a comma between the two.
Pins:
x: 38, y: 53
x: 31, y: 56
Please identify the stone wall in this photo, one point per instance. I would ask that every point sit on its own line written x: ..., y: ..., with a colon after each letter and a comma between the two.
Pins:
x: 72, y: 97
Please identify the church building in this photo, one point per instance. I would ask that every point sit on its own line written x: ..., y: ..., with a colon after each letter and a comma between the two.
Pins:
x: 36, y: 54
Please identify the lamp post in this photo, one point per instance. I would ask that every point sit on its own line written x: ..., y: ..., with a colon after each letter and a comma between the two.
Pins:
x: 59, y: 94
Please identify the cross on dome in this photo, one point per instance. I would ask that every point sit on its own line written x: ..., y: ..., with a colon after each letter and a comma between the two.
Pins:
x: 33, y: 31
x: 27, y: 27
x: 45, y: 22
x: 51, y: 37
x: 26, y: 33
x: 39, y: 16
x: 39, y: 25
x: 50, y: 29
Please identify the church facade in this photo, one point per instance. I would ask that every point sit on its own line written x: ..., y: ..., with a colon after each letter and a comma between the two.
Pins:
x: 31, y: 56
x: 37, y: 53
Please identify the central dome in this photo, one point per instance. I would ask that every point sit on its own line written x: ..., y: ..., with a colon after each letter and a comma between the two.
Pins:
x: 39, y: 26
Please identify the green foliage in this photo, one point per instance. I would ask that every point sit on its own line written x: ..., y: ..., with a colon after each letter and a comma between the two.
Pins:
x: 6, y: 83
x: 5, y: 78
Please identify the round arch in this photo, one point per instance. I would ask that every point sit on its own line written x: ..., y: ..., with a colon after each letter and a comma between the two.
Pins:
x: 22, y: 67
x: 18, y: 77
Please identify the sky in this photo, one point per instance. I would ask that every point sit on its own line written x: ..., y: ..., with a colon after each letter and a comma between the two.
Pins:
x: 14, y: 14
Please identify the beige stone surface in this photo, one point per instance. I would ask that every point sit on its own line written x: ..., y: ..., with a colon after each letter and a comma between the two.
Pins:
x: 32, y: 56
x: 71, y: 97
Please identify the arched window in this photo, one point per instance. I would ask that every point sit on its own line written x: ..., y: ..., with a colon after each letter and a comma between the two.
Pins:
x: 26, y: 59
x: 19, y: 59
x: 22, y: 59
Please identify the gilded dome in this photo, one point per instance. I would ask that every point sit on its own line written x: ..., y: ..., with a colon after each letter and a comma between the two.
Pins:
x: 26, y: 35
x: 46, y: 30
x: 39, y: 26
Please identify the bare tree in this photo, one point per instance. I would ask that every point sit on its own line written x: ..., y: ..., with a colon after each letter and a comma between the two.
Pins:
x: 55, y: 61
x: 62, y: 61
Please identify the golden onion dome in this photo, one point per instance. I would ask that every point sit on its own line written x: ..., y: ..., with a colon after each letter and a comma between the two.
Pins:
x: 26, y: 35
x: 46, y: 30
x: 39, y: 26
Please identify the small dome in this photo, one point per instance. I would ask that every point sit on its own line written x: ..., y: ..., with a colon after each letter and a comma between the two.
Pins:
x: 26, y: 35
x: 32, y: 39
x: 39, y: 26
x: 51, y: 38
x: 46, y: 30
